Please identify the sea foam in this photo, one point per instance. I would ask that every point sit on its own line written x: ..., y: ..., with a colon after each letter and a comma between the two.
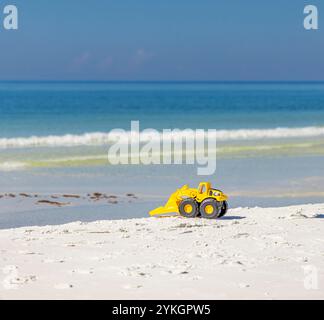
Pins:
x: 106, y: 138
x: 12, y: 166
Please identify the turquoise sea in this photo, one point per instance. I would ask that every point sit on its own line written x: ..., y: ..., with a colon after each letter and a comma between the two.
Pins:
x: 53, y: 139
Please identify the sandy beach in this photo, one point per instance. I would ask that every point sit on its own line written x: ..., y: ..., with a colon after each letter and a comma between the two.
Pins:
x: 262, y: 253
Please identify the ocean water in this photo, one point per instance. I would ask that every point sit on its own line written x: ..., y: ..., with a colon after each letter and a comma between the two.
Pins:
x: 53, y: 137
x: 42, y: 109
x: 66, y: 123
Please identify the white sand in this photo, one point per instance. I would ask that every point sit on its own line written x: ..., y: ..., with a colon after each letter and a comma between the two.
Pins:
x: 252, y: 253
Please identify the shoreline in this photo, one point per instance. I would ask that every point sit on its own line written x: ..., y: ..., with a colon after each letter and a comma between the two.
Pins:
x: 256, y: 252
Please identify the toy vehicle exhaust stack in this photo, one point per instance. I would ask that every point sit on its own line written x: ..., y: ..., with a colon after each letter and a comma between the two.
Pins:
x: 188, y: 202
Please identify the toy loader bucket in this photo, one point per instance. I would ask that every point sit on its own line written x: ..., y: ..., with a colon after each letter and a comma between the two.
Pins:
x: 170, y: 207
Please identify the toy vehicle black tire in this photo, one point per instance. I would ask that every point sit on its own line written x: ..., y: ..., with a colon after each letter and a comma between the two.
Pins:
x: 187, y: 204
x: 210, y: 209
x: 224, y: 209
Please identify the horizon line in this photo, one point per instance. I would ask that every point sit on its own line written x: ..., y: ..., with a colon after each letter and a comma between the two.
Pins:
x: 160, y: 81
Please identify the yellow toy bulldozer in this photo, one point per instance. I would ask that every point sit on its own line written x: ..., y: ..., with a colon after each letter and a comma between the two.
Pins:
x: 188, y: 202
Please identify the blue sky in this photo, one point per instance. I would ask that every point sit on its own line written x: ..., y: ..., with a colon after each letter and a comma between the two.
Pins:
x: 162, y: 40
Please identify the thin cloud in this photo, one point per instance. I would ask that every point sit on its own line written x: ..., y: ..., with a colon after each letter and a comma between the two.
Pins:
x: 141, y: 56
x: 81, y: 60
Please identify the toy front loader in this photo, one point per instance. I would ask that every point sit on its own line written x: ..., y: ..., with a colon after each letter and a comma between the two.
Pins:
x: 205, y: 202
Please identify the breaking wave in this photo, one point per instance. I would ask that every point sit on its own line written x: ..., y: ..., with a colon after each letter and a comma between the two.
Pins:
x: 102, y: 138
